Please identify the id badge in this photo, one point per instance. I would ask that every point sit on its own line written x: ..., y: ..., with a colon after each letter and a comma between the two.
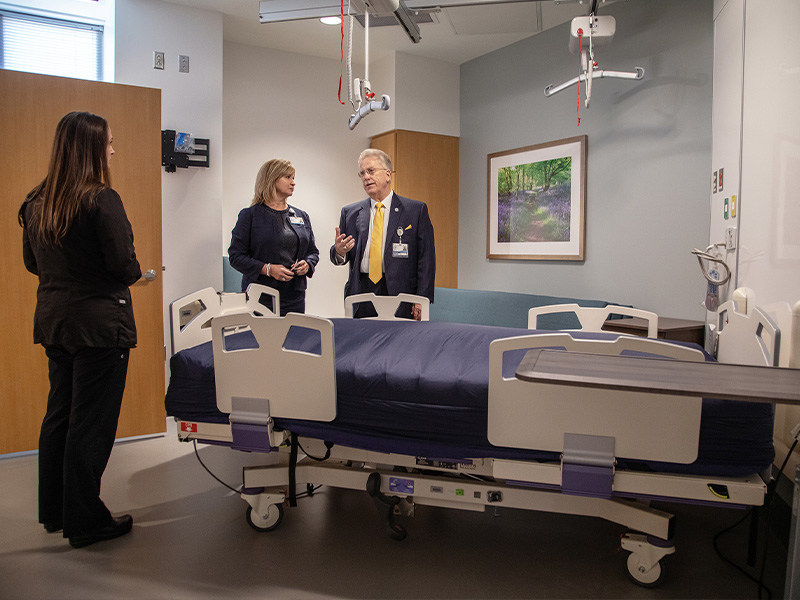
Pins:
x: 296, y: 220
x: 400, y: 250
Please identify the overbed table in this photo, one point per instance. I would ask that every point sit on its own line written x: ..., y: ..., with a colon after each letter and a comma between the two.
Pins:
x: 775, y: 385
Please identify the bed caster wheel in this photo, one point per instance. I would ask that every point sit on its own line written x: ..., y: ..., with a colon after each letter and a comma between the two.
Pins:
x: 648, y: 578
x: 266, y: 522
x: 646, y: 559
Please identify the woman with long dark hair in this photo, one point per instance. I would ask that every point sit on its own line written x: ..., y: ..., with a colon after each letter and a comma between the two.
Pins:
x: 77, y: 238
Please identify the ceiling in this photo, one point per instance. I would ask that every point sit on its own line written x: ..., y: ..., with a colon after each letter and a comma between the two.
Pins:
x: 456, y: 35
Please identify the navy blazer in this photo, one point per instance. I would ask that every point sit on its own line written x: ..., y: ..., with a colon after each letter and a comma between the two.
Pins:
x: 412, y: 275
x: 254, y: 243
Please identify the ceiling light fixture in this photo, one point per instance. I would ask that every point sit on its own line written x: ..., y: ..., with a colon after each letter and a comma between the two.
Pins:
x: 331, y: 20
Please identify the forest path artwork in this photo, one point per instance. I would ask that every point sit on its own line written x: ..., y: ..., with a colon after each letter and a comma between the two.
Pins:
x: 534, y: 201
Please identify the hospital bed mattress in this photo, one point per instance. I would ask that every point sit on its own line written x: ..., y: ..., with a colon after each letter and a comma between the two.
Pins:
x: 421, y: 389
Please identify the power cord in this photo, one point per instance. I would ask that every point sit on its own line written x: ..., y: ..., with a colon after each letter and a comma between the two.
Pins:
x: 768, y: 503
x: 200, y: 460
x: 309, y: 489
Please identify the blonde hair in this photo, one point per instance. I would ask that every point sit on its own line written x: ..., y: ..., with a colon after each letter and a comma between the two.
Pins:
x: 268, y: 175
x: 384, y: 158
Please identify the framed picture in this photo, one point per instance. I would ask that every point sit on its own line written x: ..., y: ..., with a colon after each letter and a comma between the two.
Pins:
x: 537, y: 201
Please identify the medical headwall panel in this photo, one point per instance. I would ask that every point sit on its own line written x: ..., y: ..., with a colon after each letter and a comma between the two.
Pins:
x: 726, y: 131
x: 30, y: 108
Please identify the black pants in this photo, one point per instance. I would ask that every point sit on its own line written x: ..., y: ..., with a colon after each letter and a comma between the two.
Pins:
x: 365, y: 309
x: 77, y: 435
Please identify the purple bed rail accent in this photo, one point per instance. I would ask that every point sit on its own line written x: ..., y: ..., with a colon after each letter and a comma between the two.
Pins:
x: 587, y: 480
x: 252, y: 438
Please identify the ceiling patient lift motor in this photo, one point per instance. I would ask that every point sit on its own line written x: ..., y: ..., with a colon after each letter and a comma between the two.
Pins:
x: 587, y: 34
x: 365, y: 96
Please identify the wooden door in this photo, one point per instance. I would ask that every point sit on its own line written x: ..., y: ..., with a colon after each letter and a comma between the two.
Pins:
x: 30, y: 108
x: 426, y: 169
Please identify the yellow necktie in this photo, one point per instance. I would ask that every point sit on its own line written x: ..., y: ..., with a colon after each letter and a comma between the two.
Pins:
x: 375, y: 245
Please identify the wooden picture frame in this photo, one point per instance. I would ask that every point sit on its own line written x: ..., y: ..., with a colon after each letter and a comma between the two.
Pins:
x: 536, y: 207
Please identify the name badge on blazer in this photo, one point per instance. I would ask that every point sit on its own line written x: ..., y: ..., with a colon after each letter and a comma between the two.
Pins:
x: 296, y: 220
x: 400, y: 250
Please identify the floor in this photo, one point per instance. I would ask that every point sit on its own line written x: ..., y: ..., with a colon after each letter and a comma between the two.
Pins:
x: 190, y: 540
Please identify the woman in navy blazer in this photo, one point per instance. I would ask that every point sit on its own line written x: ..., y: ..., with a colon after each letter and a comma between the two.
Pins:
x: 272, y: 242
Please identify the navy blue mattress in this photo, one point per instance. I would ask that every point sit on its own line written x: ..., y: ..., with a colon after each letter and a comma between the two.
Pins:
x: 422, y: 389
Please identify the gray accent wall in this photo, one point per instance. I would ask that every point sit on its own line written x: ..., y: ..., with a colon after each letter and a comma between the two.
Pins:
x: 648, y: 165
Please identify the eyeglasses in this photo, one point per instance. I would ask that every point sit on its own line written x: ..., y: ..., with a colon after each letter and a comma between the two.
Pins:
x: 369, y: 172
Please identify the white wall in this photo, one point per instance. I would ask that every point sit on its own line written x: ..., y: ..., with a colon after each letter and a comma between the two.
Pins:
x: 424, y: 95
x: 190, y: 102
x: 283, y: 105
x: 427, y: 95
x: 769, y: 254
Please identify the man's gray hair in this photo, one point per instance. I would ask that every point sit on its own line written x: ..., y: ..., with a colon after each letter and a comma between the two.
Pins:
x: 375, y: 153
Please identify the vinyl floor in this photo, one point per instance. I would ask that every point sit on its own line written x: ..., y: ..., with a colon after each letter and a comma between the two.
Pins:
x: 190, y: 540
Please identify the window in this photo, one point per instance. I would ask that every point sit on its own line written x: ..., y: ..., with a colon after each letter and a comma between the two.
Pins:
x: 50, y: 46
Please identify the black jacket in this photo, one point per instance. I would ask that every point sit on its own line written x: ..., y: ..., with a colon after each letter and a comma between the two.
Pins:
x: 83, y: 297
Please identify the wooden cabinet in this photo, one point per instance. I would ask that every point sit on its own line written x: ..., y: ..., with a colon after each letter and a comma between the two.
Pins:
x: 426, y: 168
x: 679, y: 330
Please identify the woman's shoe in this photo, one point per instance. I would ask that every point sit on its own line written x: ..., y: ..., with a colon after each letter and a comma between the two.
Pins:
x: 119, y: 526
x: 52, y: 527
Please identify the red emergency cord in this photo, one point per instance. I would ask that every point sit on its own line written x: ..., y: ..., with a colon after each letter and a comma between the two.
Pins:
x: 341, y: 48
x: 578, y: 110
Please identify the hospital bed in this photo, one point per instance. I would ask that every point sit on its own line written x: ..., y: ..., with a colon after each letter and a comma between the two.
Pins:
x: 432, y: 414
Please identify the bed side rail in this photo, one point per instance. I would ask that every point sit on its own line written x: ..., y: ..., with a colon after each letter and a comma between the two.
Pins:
x: 593, y: 318
x: 272, y: 379
x: 386, y: 306
x: 190, y: 315
x: 539, y: 416
x: 187, y: 316
x: 746, y: 335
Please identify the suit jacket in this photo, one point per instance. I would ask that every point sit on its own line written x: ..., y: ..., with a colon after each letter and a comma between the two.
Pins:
x: 412, y: 275
x: 254, y: 243
x: 83, y: 297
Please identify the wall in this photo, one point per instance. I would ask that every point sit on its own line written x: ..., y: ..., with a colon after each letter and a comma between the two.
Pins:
x: 649, y: 148
x: 427, y: 94
x: 424, y: 95
x: 283, y: 105
x: 769, y: 243
x: 190, y: 102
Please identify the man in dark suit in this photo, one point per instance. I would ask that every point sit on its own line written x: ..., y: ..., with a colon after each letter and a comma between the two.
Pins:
x: 397, y: 254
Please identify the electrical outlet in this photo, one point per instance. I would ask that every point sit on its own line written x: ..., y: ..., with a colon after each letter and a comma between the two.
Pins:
x: 183, y: 65
x: 158, y: 60
x: 730, y: 238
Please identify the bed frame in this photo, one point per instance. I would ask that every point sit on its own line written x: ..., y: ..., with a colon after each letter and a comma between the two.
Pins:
x: 588, y: 431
